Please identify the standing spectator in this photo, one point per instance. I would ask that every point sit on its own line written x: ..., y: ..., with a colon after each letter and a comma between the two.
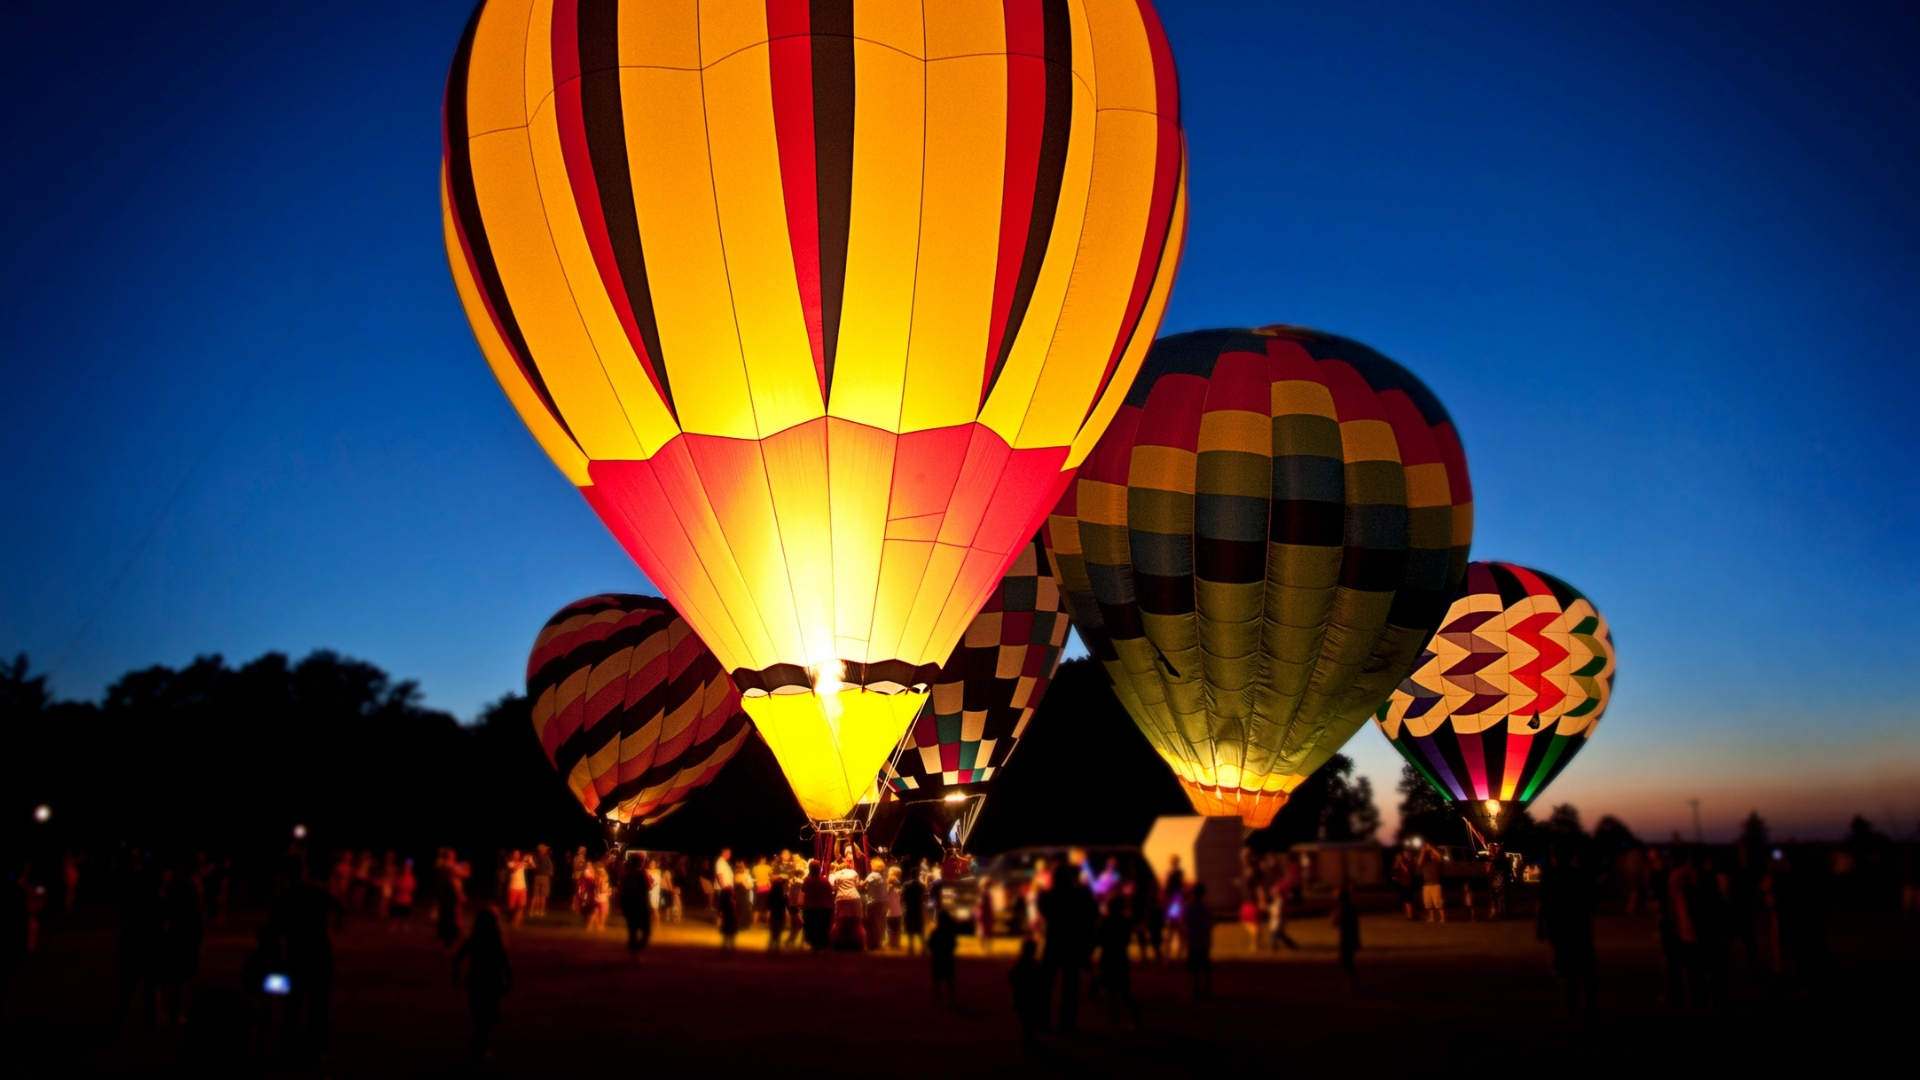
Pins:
x: 577, y: 876
x: 877, y: 895
x: 762, y: 888
x: 636, y: 904
x: 1406, y: 878
x: 1116, y: 978
x: 1070, y: 914
x: 1566, y: 923
x: 913, y: 907
x: 383, y: 880
x: 743, y: 900
x: 599, y: 893
x: 16, y: 928
x: 849, y: 931
x: 69, y: 881
x: 1682, y: 889
x: 139, y: 954
x: 1250, y: 915
x: 303, y: 917
x: 940, y: 948
x: 447, y: 896
x: 487, y: 976
x: 340, y: 882
x: 1031, y: 988
x: 1198, y: 931
x: 1174, y: 889
x: 816, y: 906
x: 894, y: 908
x: 1277, y: 896
x: 1801, y: 919
x: 180, y: 941
x: 1433, y: 888
x: 776, y: 911
x: 1499, y: 875
x: 1149, y: 917
x: 1633, y: 869
x: 726, y: 917
x: 985, y: 911
x: 400, y: 908
x: 1346, y: 920
x: 516, y: 871
x: 542, y: 880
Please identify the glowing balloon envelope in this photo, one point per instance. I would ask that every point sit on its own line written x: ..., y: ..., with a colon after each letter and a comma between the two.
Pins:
x: 630, y: 706
x: 819, y: 304
x: 1257, y: 549
x: 1506, y: 693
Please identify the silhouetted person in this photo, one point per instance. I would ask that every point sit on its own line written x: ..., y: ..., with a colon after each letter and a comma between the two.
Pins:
x: 266, y: 959
x: 16, y: 929
x: 1115, y: 934
x: 913, y: 907
x: 1032, y: 987
x: 1070, y: 914
x: 482, y: 967
x: 776, y: 913
x: 140, y: 952
x: 1198, y: 928
x: 1801, y: 919
x: 940, y: 948
x: 1499, y: 876
x: 1149, y: 916
x: 303, y: 916
x: 636, y: 905
x: 180, y: 941
x: 1660, y: 888
x: 816, y: 911
x: 1712, y: 929
x: 1346, y: 921
x: 1566, y: 924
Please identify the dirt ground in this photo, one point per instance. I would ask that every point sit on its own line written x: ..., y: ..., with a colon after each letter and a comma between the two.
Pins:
x: 1460, y: 998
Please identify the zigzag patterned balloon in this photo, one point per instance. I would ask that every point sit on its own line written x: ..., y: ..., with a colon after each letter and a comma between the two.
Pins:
x: 1506, y: 692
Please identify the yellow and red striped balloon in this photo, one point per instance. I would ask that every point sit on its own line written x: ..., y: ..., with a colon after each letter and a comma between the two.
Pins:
x: 631, y: 707
x: 819, y: 303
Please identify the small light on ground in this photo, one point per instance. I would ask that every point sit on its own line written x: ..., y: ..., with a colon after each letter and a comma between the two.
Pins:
x: 43, y: 813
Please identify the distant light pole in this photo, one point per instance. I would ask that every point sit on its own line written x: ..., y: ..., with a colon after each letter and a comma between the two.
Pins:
x: 1699, y: 837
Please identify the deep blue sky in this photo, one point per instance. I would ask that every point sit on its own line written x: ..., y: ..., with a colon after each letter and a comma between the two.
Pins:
x: 1661, y: 265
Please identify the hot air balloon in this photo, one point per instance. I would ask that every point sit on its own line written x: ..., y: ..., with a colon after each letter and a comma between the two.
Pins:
x: 819, y: 304
x: 1508, y: 690
x: 983, y: 697
x: 1257, y: 549
x: 631, y: 707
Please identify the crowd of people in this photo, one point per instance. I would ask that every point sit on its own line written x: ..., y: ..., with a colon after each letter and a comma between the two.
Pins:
x: 1080, y: 924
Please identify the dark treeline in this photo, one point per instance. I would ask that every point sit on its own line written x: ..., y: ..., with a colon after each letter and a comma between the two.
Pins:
x: 227, y: 761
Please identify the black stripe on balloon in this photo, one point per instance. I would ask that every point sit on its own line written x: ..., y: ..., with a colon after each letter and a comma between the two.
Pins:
x: 1122, y: 623
x: 831, y: 23
x: 662, y: 771
x: 466, y: 210
x: 1372, y: 569
x: 1056, y: 126
x: 1229, y: 562
x: 1512, y: 591
x: 624, y: 720
x: 1307, y: 521
x: 606, y: 131
x: 1160, y: 595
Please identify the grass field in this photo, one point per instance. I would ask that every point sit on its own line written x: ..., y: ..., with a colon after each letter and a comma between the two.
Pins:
x: 1472, y: 998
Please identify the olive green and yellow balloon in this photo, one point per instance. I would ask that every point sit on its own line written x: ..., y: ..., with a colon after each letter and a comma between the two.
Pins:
x: 1258, y: 548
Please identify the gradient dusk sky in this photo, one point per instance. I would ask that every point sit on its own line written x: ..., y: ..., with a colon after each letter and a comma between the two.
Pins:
x: 1661, y: 262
